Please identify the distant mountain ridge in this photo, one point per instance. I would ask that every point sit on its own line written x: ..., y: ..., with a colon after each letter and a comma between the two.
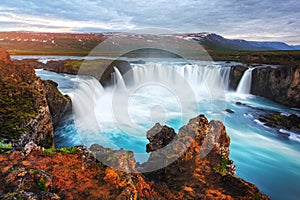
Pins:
x: 82, y: 43
x: 216, y: 42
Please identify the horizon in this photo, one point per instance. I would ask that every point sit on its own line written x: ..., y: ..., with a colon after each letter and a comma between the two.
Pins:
x: 249, y: 20
x: 106, y: 32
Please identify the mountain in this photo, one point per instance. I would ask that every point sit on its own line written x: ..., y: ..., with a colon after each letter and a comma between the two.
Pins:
x: 216, y: 42
x: 83, y: 43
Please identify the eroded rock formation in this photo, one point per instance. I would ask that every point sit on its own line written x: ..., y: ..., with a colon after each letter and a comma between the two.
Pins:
x: 203, y: 170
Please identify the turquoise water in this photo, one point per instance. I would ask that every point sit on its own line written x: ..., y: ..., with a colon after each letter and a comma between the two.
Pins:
x: 262, y: 155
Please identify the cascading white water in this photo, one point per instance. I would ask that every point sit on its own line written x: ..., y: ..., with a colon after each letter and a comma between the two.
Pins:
x: 244, y: 86
x: 118, y: 79
x: 201, y: 78
x: 151, y: 92
x: 225, y: 74
x: 87, y: 92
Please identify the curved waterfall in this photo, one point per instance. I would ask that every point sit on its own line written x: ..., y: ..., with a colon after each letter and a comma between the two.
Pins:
x: 149, y: 93
x: 244, y: 86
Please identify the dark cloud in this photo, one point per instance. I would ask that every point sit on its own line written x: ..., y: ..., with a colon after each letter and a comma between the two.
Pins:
x: 252, y: 19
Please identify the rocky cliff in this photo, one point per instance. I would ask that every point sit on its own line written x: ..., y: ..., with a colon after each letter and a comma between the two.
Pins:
x: 280, y: 84
x: 93, y: 68
x: 58, y: 104
x: 24, y: 113
x: 29, y: 106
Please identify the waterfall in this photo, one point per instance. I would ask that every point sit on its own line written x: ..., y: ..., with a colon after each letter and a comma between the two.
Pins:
x: 150, y: 92
x: 201, y: 78
x: 244, y: 86
x: 118, y: 79
x: 225, y: 74
x: 84, y: 98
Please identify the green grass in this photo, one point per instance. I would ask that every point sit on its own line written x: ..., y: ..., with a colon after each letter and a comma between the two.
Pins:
x: 221, y: 169
x: 5, y: 146
x: 70, y: 150
x: 49, y: 152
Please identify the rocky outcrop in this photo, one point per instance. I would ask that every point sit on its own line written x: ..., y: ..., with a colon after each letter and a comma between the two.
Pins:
x: 31, y: 62
x: 202, y: 168
x: 58, y: 104
x: 72, y: 173
x: 4, y: 57
x: 63, y: 66
x: 24, y: 113
x: 277, y: 120
x: 101, y: 69
x: 281, y: 84
x: 159, y: 137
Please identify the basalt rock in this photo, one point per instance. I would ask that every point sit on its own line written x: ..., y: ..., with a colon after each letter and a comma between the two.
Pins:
x: 236, y: 74
x: 58, y: 104
x: 276, y: 120
x: 159, y: 136
x: 281, y: 84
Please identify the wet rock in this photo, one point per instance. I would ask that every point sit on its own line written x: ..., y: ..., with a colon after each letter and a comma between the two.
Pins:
x: 289, y: 122
x: 236, y: 74
x: 229, y: 111
x: 138, y: 62
x: 281, y: 84
x: 58, y: 104
x: 159, y: 137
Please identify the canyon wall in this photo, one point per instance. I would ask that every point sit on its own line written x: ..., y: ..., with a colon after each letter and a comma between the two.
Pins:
x: 281, y: 84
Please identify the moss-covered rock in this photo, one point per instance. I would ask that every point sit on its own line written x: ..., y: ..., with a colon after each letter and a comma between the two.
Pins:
x: 24, y: 113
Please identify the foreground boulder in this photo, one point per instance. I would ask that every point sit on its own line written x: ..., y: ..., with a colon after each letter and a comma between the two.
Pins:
x: 202, y: 168
x: 201, y: 171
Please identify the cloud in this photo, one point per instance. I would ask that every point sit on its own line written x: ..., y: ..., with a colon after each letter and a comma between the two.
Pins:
x: 251, y: 19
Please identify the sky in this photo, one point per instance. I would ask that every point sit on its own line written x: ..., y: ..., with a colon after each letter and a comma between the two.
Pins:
x: 259, y: 20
